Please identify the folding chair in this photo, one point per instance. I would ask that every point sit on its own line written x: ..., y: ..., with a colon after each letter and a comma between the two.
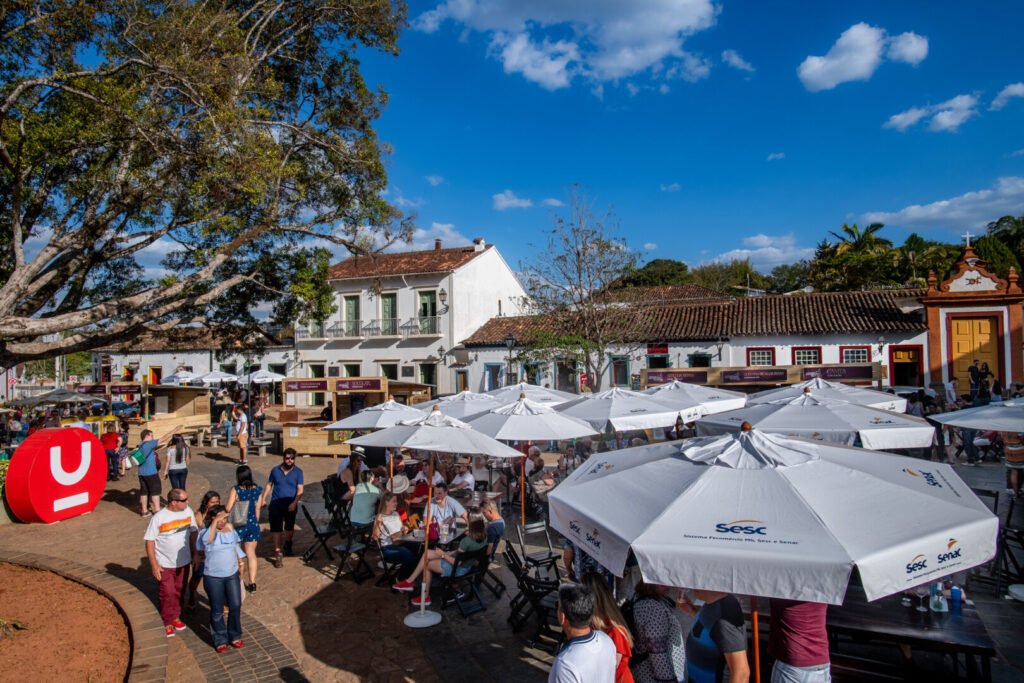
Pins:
x: 391, y: 569
x: 357, y: 541
x: 488, y: 578
x: 320, y: 538
x: 542, y: 559
x: 536, y: 597
x: 461, y: 591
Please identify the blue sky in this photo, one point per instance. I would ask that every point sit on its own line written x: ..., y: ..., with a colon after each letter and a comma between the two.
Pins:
x: 711, y: 129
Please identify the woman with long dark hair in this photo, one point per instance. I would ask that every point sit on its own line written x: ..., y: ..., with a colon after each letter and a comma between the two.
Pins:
x: 247, y: 493
x: 179, y: 456
x: 221, y: 577
x: 210, y: 499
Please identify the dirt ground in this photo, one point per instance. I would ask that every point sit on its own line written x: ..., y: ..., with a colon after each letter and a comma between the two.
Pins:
x: 72, y: 632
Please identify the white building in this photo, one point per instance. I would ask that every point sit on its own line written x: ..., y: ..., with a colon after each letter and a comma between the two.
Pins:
x: 401, y: 315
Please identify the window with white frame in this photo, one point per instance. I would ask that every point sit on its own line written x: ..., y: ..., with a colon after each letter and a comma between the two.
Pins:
x: 856, y: 354
x: 806, y: 356
x: 760, y: 356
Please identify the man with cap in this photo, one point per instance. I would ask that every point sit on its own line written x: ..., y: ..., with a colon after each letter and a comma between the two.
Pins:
x: 464, y: 479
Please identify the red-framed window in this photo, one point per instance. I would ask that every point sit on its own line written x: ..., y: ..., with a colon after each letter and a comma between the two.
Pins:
x: 761, y: 355
x: 854, y: 354
x: 806, y: 355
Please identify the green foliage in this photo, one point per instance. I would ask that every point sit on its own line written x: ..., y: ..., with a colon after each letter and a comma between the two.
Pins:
x: 657, y: 272
x: 723, y: 276
x: 997, y: 256
x: 789, y: 277
x: 4, y: 464
x: 1010, y: 231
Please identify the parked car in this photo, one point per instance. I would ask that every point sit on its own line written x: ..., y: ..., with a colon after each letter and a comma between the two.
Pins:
x: 122, y: 409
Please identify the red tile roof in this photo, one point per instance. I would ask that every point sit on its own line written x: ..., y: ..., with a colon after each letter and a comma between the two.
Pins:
x: 404, y: 263
x: 803, y: 314
x: 664, y: 294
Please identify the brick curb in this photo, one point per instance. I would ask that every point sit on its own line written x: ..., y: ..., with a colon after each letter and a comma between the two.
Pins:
x: 148, y: 657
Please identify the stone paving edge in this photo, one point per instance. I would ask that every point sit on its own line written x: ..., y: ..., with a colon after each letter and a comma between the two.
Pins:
x: 147, y: 656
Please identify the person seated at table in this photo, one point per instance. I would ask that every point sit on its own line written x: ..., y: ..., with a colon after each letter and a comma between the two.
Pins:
x: 443, y: 508
x: 799, y: 642
x: 328, y: 412
x: 585, y: 448
x: 534, y: 462
x: 717, y: 640
x: 464, y: 480
x: 441, y: 562
x: 347, y: 460
x: 616, y: 442
x: 351, y: 475
x: 397, y: 461
x: 569, y: 460
x: 388, y: 528
x: 437, y: 477
x: 364, y: 500
x: 495, y: 525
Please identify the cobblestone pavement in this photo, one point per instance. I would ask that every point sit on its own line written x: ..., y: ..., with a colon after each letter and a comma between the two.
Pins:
x: 299, y: 624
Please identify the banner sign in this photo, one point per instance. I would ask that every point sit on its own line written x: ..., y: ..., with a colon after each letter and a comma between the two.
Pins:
x: 359, y: 385
x: 657, y: 349
x: 91, y: 389
x: 56, y: 474
x: 838, y: 372
x: 666, y: 376
x: 754, y: 375
x: 305, y: 385
x: 126, y: 388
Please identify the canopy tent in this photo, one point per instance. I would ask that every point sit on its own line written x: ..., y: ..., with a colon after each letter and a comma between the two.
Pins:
x: 462, y: 404
x: 833, y: 391
x: 809, y: 417
x: 544, y: 395
x: 620, y: 409
x: 180, y: 377
x: 694, y: 401
x: 261, y: 377
x: 1002, y: 416
x: 380, y: 416
x: 758, y: 514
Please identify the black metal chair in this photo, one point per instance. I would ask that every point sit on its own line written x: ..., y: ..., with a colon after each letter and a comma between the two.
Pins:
x: 391, y: 569
x: 542, y: 559
x: 461, y: 590
x: 488, y: 578
x: 536, y: 597
x: 320, y: 537
x: 353, y: 549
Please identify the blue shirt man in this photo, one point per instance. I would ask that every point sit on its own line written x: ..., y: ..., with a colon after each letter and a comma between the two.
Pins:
x: 284, y: 489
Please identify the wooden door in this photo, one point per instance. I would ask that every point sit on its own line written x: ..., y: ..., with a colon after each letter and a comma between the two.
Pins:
x: 973, y: 339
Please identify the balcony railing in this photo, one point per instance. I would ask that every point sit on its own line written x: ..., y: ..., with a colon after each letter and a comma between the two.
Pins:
x: 313, y: 331
x: 346, y: 329
x: 382, y: 327
x: 423, y: 326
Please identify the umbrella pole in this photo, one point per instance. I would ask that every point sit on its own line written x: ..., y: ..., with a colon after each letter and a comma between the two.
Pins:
x: 424, y: 618
x: 522, y: 492
x: 757, y: 640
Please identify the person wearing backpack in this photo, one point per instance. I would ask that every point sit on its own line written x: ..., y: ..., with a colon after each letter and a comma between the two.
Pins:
x: 243, y: 507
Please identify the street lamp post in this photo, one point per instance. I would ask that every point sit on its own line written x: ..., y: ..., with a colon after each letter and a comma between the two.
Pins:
x: 510, y: 342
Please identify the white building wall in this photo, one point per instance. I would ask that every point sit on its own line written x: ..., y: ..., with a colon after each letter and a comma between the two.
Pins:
x: 198, y: 361
x: 483, y: 289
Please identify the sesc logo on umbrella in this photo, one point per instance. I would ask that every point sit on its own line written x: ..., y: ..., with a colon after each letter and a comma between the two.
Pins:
x: 749, y: 527
x: 917, y: 564
x: 591, y: 537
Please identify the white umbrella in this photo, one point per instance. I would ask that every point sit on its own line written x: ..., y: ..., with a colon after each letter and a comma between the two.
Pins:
x: 620, y: 409
x: 760, y: 514
x: 512, y: 392
x: 526, y: 420
x: 434, y: 432
x: 216, y: 376
x: 261, y: 377
x: 180, y: 377
x: 382, y: 415
x: 809, y: 417
x: 1002, y: 416
x: 694, y: 400
x: 462, y: 404
x: 833, y: 391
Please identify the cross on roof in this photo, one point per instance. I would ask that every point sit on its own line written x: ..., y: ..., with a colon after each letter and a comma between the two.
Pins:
x: 967, y: 236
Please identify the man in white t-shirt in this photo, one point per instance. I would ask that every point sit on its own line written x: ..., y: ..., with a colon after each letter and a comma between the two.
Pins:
x: 464, y: 479
x: 587, y: 655
x: 169, y: 540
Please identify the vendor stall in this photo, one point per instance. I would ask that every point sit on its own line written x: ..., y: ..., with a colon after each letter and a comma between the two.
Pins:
x: 346, y: 396
x: 164, y: 407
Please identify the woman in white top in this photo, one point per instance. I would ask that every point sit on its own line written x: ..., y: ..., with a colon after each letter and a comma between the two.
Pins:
x: 388, y: 527
x: 178, y: 458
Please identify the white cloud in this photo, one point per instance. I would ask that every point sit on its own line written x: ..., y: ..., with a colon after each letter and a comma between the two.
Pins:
x: 691, y: 68
x: 423, y: 238
x: 671, y: 187
x: 767, y: 251
x: 508, y: 200
x: 969, y: 210
x: 858, y: 52
x: 1017, y: 153
x: 946, y: 117
x: 434, y: 180
x: 908, y: 47
x: 1006, y: 94
x: 733, y: 59
x: 650, y: 246
x: 776, y: 156
x: 554, y: 42
x: 551, y: 201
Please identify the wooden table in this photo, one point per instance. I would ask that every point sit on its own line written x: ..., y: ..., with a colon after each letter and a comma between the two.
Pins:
x: 886, y: 620
x: 474, y: 499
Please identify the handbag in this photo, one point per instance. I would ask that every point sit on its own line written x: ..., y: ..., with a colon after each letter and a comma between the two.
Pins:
x: 136, y: 456
x: 239, y: 516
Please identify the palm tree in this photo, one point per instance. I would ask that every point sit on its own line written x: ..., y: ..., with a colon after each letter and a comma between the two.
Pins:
x: 867, y: 242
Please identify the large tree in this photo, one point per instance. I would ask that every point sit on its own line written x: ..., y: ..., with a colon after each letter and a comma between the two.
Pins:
x: 656, y: 272
x: 566, y: 282
x: 230, y: 136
